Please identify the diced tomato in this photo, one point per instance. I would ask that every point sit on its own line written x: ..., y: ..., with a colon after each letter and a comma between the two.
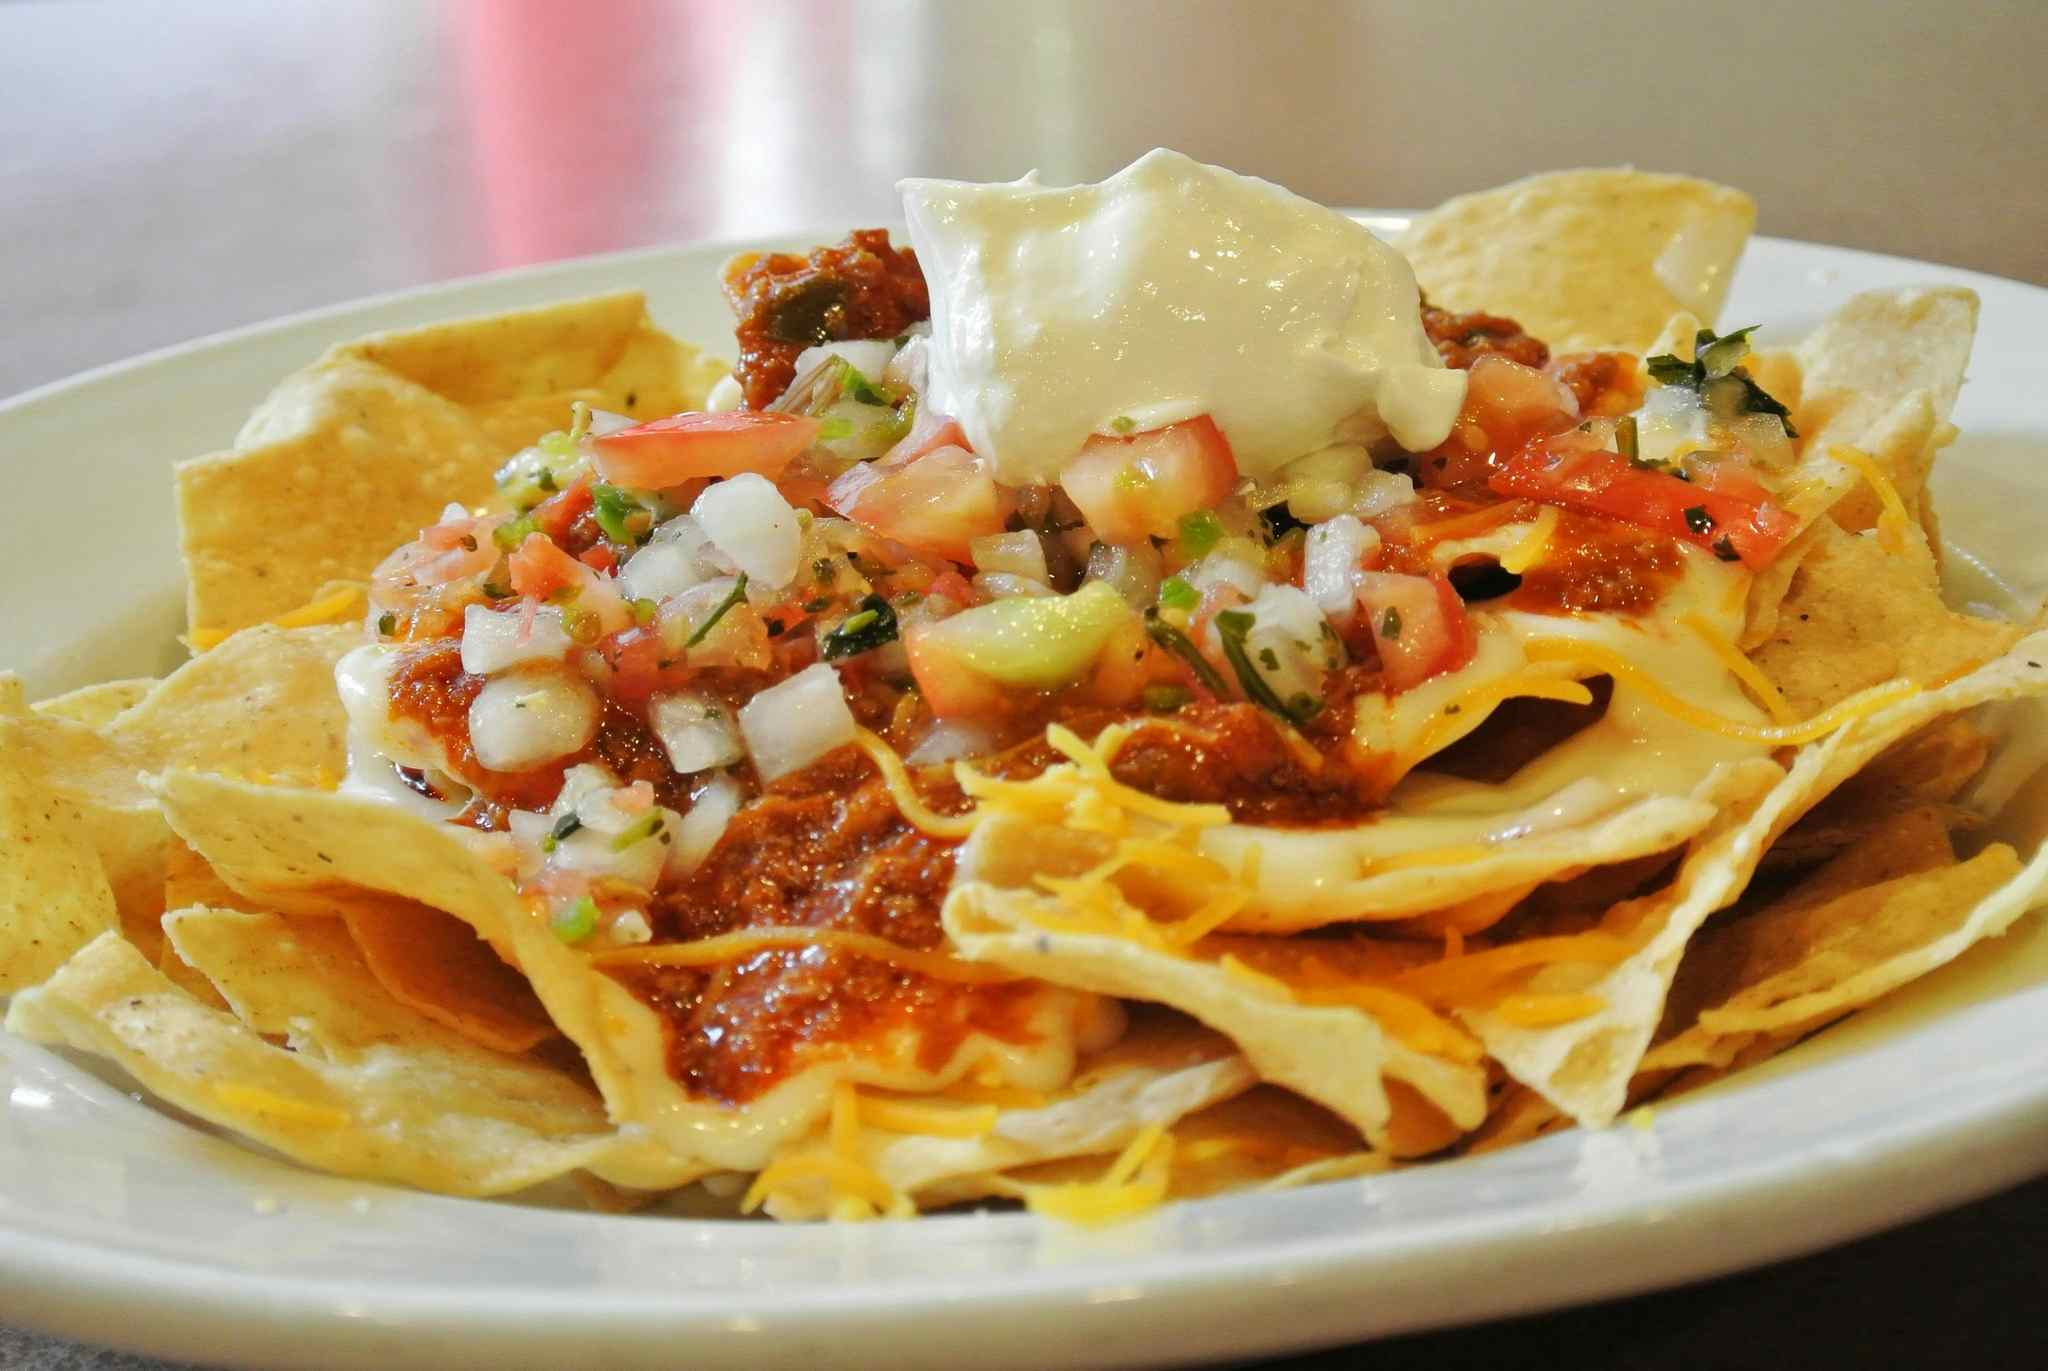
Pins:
x: 1507, y: 405
x: 1418, y: 625
x: 539, y: 568
x: 641, y: 664
x: 948, y: 684
x: 554, y: 515
x: 928, y: 433
x: 1131, y: 489
x: 938, y: 502
x: 600, y: 558
x: 683, y: 447
x: 1726, y: 512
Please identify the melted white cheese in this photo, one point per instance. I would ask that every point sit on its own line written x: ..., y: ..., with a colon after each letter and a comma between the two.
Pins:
x: 1168, y: 291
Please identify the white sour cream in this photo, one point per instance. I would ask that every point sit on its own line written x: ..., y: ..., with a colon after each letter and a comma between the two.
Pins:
x: 1170, y: 290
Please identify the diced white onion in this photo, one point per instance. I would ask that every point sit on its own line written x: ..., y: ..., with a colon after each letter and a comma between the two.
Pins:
x: 604, y: 422
x: 1382, y: 492
x: 794, y: 722
x: 528, y: 828
x: 704, y: 825
x: 518, y: 722
x: 869, y: 356
x: 909, y: 366
x: 592, y: 852
x: 631, y: 926
x: 697, y: 730
x: 725, y: 396
x: 951, y: 739
x: 1222, y: 567
x: 495, y: 639
x: 1002, y: 585
x: 1330, y: 562
x: 749, y: 521
x: 1287, y: 624
x: 1020, y: 554
x: 660, y: 571
x: 1132, y: 572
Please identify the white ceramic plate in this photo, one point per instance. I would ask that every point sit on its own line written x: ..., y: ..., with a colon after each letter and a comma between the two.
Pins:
x: 125, y: 1225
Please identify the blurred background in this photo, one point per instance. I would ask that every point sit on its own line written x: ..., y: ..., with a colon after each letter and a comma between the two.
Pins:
x: 173, y: 169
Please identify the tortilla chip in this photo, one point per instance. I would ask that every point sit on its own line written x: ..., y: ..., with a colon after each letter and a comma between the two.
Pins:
x: 95, y: 705
x: 1919, y: 774
x: 1584, y: 1067
x: 1162, y: 1070
x: 1337, y: 1055
x: 1799, y: 963
x: 305, y: 851
x: 365, y: 446
x: 262, y: 704
x: 1857, y: 615
x: 94, y: 789
x: 435, y: 964
x: 1585, y: 259
x: 54, y: 896
x: 1879, y: 351
x: 423, y: 1117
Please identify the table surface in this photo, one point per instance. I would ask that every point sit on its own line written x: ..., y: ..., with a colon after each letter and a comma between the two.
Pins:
x: 175, y: 170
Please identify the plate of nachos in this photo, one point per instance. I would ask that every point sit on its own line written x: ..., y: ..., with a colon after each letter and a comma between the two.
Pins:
x: 1148, y: 757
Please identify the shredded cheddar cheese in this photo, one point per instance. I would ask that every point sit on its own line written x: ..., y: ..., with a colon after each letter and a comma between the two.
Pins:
x: 1894, y: 522
x: 1547, y: 1011
x: 1136, y: 1181
x: 1604, y: 661
x: 1534, y: 544
x: 283, y: 1108
x: 932, y: 1120
x: 1471, y: 707
x: 745, y: 942
x: 1743, y: 669
x: 331, y: 608
x: 908, y: 802
x: 1471, y: 978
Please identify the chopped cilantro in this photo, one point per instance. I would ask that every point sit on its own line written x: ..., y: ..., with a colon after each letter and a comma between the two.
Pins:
x: 1182, y: 647
x: 1231, y: 627
x: 739, y: 593
x: 870, y: 626
x: 1390, y: 624
x: 1724, y: 548
x: 1698, y: 520
x: 1199, y: 532
x: 832, y: 430
x: 1165, y: 699
x: 1123, y: 423
x: 387, y: 624
x: 1727, y: 388
x: 510, y: 534
x: 647, y: 827
x: 564, y: 826
x: 643, y: 611
x: 622, y: 517
x: 1625, y: 438
x: 1176, y: 593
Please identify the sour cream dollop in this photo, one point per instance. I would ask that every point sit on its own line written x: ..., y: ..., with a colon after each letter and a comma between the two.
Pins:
x: 1170, y: 290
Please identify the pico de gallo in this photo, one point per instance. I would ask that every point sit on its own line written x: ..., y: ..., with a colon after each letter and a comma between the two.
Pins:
x: 658, y: 624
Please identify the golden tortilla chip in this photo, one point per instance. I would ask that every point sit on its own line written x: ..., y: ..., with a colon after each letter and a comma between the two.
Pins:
x: 1801, y: 962
x: 260, y: 705
x: 1339, y: 1055
x: 54, y: 896
x: 95, y: 705
x: 1884, y: 349
x: 1585, y: 259
x: 1585, y: 1066
x: 1165, y: 1068
x: 423, y: 1117
x: 435, y: 964
x: 351, y: 456
x: 94, y: 789
x: 313, y: 852
x: 1919, y: 774
x: 1857, y: 614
